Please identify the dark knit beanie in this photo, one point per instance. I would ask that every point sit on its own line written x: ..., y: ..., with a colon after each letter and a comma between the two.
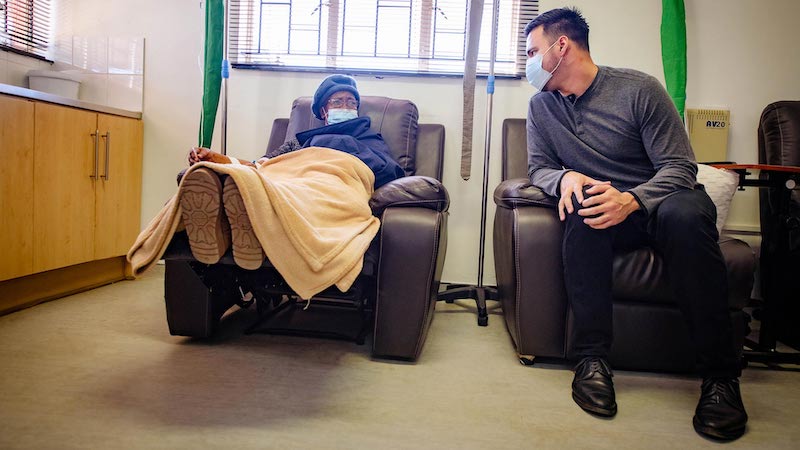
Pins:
x: 330, y: 86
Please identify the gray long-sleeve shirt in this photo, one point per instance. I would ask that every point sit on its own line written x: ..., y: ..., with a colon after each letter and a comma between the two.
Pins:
x: 623, y: 129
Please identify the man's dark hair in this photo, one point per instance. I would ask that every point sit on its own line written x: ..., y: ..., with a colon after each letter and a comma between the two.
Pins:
x: 568, y: 22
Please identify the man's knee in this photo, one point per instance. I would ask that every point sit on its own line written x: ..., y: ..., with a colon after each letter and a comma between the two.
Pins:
x: 575, y: 222
x: 686, y: 211
x: 577, y: 206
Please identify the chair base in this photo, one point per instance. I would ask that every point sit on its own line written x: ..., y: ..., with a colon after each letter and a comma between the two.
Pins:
x: 195, y: 297
x: 198, y: 295
x: 346, y: 316
x: 478, y: 293
x: 323, y: 320
x: 755, y: 352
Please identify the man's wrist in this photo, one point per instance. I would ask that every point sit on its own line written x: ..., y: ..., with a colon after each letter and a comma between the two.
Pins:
x: 631, y: 203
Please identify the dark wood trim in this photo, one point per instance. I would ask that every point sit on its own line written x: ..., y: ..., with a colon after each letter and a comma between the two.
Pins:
x: 24, y: 292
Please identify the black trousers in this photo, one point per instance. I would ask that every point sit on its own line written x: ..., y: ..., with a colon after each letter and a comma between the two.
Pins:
x: 682, y: 230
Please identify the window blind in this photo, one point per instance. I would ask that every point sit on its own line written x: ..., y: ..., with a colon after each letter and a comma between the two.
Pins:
x: 25, y: 26
x: 373, y: 36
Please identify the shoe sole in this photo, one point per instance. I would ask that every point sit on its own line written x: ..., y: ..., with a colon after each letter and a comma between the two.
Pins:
x: 247, y: 251
x: 202, y: 216
x: 714, y: 433
x: 588, y: 407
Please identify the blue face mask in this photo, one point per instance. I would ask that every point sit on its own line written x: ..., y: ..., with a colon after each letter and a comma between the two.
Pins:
x: 537, y: 76
x: 340, y: 115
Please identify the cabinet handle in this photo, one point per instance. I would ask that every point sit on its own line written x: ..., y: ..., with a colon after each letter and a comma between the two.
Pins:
x: 96, y: 153
x: 107, y: 137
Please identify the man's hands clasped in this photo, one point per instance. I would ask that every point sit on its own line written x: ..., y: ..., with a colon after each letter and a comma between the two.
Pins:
x: 609, y: 205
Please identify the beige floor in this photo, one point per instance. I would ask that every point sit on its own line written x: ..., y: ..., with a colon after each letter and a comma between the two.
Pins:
x: 99, y: 370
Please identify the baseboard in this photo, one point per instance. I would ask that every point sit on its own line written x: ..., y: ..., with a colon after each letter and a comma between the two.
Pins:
x: 24, y: 292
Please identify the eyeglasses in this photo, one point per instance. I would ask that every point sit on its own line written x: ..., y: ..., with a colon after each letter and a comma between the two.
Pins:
x: 338, y: 103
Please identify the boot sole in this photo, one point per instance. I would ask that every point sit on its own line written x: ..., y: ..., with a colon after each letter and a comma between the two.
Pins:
x: 202, y: 216
x: 247, y: 251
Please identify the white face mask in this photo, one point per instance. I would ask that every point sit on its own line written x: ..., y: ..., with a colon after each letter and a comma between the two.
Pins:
x: 337, y: 115
x: 535, y: 73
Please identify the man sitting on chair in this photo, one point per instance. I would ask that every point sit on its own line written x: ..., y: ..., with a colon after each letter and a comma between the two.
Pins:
x: 610, y: 145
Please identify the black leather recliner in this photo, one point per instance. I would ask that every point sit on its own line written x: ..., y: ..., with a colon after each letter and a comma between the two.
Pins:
x: 779, y: 145
x: 402, y: 268
x: 649, y: 330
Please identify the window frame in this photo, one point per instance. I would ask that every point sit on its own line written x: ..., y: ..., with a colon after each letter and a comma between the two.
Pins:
x: 243, y: 36
x: 31, y: 35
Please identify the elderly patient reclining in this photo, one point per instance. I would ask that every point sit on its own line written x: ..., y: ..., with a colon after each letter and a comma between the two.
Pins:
x: 310, y: 194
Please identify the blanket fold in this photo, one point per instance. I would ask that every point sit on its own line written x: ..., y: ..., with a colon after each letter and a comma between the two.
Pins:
x: 309, y: 209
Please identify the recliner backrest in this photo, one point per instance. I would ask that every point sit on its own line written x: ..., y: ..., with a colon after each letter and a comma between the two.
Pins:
x: 778, y: 144
x: 779, y: 134
x: 515, y: 149
x: 395, y: 120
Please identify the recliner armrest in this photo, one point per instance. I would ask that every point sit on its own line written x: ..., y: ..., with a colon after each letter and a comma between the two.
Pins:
x: 520, y: 192
x: 420, y: 191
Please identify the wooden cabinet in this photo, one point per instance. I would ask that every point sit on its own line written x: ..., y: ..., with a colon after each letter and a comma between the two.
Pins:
x: 70, y: 191
x: 16, y: 187
x: 63, y: 193
x: 88, y: 191
x: 118, y: 193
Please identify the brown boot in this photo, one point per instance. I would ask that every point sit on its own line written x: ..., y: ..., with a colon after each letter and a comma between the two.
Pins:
x: 206, y: 226
x: 247, y: 251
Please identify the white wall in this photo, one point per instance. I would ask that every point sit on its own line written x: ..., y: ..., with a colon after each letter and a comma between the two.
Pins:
x: 173, y: 32
x: 742, y: 55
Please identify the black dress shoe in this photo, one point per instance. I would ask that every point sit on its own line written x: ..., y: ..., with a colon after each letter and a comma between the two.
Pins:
x: 592, y: 388
x: 720, y: 413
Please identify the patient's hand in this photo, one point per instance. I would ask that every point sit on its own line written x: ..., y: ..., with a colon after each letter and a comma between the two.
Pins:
x: 198, y: 154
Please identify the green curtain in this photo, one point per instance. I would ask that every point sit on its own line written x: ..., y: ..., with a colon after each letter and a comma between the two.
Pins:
x: 212, y: 69
x: 673, y: 50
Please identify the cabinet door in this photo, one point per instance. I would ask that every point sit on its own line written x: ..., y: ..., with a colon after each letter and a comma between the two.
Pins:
x: 16, y: 187
x: 119, y: 190
x: 64, y: 161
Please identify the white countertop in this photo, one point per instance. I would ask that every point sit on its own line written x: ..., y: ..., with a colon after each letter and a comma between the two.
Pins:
x: 57, y: 99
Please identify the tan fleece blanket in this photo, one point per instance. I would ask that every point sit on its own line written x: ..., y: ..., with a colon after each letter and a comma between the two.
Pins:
x: 309, y: 209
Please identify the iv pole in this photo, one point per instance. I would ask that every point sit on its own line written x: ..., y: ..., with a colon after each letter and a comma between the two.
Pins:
x: 226, y: 68
x: 481, y: 293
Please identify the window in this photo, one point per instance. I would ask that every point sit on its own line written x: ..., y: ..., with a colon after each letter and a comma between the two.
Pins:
x: 374, y: 36
x: 25, y: 26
